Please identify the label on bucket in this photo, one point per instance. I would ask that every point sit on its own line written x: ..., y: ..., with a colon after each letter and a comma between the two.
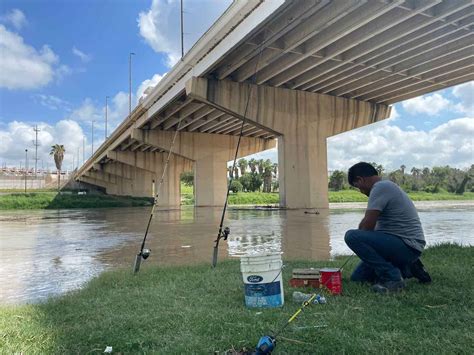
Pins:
x: 263, y: 295
x: 254, y: 278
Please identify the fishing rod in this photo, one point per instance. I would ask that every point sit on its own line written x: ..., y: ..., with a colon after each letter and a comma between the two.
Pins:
x: 145, y: 253
x: 267, y: 343
x: 224, y: 232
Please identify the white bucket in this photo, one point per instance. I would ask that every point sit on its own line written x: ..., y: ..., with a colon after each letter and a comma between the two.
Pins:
x: 262, y: 280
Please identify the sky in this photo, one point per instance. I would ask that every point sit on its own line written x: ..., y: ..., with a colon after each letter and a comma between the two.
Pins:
x: 60, y: 59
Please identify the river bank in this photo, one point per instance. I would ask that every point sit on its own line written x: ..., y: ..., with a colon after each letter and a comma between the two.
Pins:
x: 196, y: 309
x: 67, y: 200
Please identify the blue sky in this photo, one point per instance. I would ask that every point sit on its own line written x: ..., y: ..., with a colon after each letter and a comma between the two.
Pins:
x: 59, y: 59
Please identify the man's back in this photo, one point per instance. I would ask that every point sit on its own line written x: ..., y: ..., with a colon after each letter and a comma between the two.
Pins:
x: 398, y: 215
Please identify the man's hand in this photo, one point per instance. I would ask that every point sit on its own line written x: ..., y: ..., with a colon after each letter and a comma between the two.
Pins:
x: 369, y: 220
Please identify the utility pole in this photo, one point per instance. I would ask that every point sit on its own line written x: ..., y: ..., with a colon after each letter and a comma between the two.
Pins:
x: 106, y: 104
x: 36, y: 144
x: 83, y: 149
x: 26, y: 167
x: 182, y: 33
x: 130, y: 84
x: 92, y: 138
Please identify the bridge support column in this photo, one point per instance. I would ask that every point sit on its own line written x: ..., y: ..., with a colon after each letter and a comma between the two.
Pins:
x: 303, y: 119
x: 210, y: 152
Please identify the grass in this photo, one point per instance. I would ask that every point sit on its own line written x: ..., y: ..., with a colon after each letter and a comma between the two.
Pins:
x: 51, y: 200
x: 197, y: 310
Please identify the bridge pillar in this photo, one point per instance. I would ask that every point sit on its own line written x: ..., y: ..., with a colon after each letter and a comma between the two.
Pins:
x: 210, y: 152
x: 151, y: 165
x: 303, y: 120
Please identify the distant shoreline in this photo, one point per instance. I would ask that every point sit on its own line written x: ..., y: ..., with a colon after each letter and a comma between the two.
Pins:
x: 418, y: 204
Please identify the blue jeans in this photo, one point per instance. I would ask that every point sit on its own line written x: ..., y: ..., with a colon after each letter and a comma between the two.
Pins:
x: 383, y: 255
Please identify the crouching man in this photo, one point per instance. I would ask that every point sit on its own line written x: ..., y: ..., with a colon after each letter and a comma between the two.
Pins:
x: 390, y: 239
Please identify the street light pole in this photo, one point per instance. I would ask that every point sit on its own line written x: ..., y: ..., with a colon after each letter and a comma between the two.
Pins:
x: 182, y: 34
x: 106, y: 104
x: 130, y: 83
x: 92, y: 138
x: 26, y: 166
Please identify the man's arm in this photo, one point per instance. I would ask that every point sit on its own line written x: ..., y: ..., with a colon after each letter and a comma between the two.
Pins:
x: 369, y: 220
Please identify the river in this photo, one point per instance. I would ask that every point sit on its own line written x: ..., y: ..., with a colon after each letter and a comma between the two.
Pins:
x: 47, y: 253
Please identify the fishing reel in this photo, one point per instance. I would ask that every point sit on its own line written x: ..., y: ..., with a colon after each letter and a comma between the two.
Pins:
x: 225, y: 233
x: 143, y: 254
x: 265, y: 345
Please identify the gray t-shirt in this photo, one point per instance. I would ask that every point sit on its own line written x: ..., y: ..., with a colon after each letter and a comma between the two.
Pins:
x: 398, y: 215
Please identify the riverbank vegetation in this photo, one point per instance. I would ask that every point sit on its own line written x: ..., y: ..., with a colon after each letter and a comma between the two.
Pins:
x: 53, y: 200
x: 66, y: 200
x: 199, y: 310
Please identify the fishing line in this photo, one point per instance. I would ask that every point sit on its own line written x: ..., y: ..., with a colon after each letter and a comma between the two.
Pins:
x: 224, y: 233
x: 145, y: 253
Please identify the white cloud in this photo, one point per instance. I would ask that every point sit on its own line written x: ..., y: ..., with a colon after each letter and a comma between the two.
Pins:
x: 465, y: 92
x: 427, y: 104
x: 149, y: 83
x: 18, y: 136
x: 15, y: 17
x: 24, y: 67
x: 394, y: 114
x: 84, y: 57
x: 52, y: 102
x: 160, y: 25
x: 450, y: 143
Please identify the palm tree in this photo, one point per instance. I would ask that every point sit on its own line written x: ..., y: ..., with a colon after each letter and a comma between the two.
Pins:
x: 275, y: 169
x: 415, y: 172
x: 260, y: 166
x: 57, y: 151
x: 242, y: 163
x: 253, y: 165
x: 402, y: 168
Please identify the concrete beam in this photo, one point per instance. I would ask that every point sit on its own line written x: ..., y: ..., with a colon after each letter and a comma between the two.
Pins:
x: 304, y: 121
x: 196, y: 146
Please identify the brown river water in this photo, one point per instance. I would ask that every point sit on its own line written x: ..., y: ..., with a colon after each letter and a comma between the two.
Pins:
x: 46, y: 253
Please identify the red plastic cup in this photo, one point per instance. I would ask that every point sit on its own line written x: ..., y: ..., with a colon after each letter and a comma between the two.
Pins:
x: 332, y: 280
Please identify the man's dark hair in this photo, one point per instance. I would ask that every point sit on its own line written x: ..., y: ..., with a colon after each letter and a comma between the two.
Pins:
x: 360, y: 169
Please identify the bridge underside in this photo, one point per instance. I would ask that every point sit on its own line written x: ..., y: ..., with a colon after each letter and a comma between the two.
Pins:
x: 293, y: 71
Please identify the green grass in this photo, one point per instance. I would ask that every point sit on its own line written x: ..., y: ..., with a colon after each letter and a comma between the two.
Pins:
x: 51, y: 200
x: 195, y: 309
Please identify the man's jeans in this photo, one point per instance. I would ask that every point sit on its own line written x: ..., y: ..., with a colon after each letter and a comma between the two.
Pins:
x: 383, y: 255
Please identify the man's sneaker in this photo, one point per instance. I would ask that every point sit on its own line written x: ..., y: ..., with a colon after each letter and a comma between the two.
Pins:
x: 417, y: 270
x: 389, y: 287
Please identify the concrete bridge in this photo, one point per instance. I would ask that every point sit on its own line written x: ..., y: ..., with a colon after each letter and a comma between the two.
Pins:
x: 298, y: 72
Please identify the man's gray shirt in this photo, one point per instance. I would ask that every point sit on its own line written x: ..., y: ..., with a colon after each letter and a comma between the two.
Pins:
x: 398, y: 215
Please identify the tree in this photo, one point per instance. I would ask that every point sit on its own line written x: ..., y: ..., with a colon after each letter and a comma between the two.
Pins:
x: 380, y: 169
x: 253, y: 165
x: 336, y: 180
x: 57, y: 151
x: 246, y: 181
x: 236, y: 172
x: 187, y: 178
x: 415, y: 172
x: 236, y: 186
x: 275, y: 169
x: 231, y: 172
x: 261, y: 166
x: 242, y: 163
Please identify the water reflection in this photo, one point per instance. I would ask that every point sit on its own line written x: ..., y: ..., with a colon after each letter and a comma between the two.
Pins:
x: 46, y: 253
